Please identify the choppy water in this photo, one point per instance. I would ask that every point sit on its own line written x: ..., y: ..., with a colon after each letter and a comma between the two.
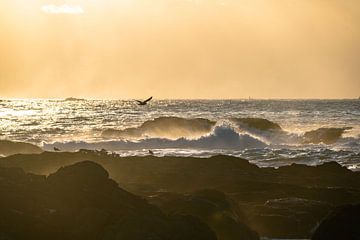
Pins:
x: 97, y: 124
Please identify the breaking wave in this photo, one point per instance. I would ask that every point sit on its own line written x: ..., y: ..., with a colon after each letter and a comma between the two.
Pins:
x: 270, y: 132
x: 164, y: 127
x: 204, y: 134
x: 324, y: 135
x: 222, y: 137
x: 259, y: 124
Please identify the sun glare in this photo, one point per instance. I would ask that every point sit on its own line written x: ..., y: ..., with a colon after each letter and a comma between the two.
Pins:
x: 62, y: 9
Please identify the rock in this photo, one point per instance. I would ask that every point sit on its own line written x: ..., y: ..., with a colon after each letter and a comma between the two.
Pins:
x: 176, y: 227
x: 212, y: 207
x: 342, y: 223
x: 286, y: 202
x: 81, y: 202
x: 9, y: 148
x: 288, y: 217
x: 80, y: 175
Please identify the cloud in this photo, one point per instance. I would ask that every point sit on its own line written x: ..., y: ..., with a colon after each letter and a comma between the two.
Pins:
x: 62, y: 9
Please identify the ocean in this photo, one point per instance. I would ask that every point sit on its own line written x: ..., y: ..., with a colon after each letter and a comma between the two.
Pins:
x: 265, y: 132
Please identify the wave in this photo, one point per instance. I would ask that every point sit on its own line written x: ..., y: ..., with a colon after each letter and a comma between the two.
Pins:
x: 164, y: 127
x: 267, y: 131
x: 222, y: 137
x: 260, y: 124
x: 324, y: 135
x: 271, y: 132
x: 264, y: 129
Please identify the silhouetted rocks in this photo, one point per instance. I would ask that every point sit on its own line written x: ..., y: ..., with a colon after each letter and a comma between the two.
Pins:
x: 290, y: 217
x: 212, y: 207
x: 342, y: 223
x: 81, y: 202
x: 9, y: 148
x: 287, y: 202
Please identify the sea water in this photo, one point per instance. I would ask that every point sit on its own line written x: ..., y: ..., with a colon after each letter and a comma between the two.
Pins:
x: 167, y: 127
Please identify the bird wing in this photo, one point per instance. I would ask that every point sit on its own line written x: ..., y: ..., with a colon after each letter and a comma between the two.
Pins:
x: 139, y: 102
x: 148, y: 99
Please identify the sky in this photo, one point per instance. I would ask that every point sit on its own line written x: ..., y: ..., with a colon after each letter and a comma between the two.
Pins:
x: 178, y: 49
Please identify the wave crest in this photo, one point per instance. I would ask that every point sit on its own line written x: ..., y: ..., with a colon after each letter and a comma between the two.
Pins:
x: 222, y: 137
x: 260, y: 124
x: 324, y: 135
x: 175, y: 128
x: 164, y: 127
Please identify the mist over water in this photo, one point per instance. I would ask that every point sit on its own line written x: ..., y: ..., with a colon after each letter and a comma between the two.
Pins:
x: 193, y: 128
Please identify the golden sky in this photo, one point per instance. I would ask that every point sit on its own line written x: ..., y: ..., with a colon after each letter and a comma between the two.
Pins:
x: 180, y: 48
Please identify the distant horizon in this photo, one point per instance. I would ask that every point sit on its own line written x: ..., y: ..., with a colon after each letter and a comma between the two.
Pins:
x: 174, y: 99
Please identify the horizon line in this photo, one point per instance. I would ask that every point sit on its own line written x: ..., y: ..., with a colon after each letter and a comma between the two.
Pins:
x: 168, y: 99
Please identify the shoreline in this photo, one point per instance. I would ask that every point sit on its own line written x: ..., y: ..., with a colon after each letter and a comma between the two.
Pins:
x: 282, y: 203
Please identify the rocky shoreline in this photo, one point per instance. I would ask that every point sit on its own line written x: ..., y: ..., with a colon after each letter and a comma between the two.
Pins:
x: 225, y: 197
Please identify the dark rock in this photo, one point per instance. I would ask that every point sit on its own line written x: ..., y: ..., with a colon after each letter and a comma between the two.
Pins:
x: 212, y: 207
x: 293, y: 216
x: 9, y: 148
x: 342, y: 223
x: 143, y: 227
x: 81, y: 202
x: 282, y: 203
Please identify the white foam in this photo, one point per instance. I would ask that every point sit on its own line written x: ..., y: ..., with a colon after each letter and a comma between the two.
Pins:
x: 222, y: 137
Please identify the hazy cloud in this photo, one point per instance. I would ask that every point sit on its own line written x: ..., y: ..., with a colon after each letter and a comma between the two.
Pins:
x: 180, y: 48
x: 62, y: 9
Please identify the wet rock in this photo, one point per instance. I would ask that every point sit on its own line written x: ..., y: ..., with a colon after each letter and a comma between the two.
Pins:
x: 212, y: 207
x: 287, y: 202
x: 81, y: 202
x: 9, y: 148
x: 288, y: 217
x: 342, y: 223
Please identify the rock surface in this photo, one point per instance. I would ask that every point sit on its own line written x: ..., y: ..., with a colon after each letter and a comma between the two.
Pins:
x: 81, y: 202
x: 212, y: 207
x: 342, y: 223
x: 9, y: 148
x: 288, y: 202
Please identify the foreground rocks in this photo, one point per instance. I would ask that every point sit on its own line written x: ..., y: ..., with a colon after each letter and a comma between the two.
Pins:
x: 288, y: 202
x: 9, y: 148
x: 342, y: 223
x: 81, y: 202
x: 212, y: 207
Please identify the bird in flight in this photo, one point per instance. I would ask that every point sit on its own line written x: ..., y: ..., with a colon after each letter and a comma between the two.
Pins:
x: 56, y: 149
x: 143, y: 102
